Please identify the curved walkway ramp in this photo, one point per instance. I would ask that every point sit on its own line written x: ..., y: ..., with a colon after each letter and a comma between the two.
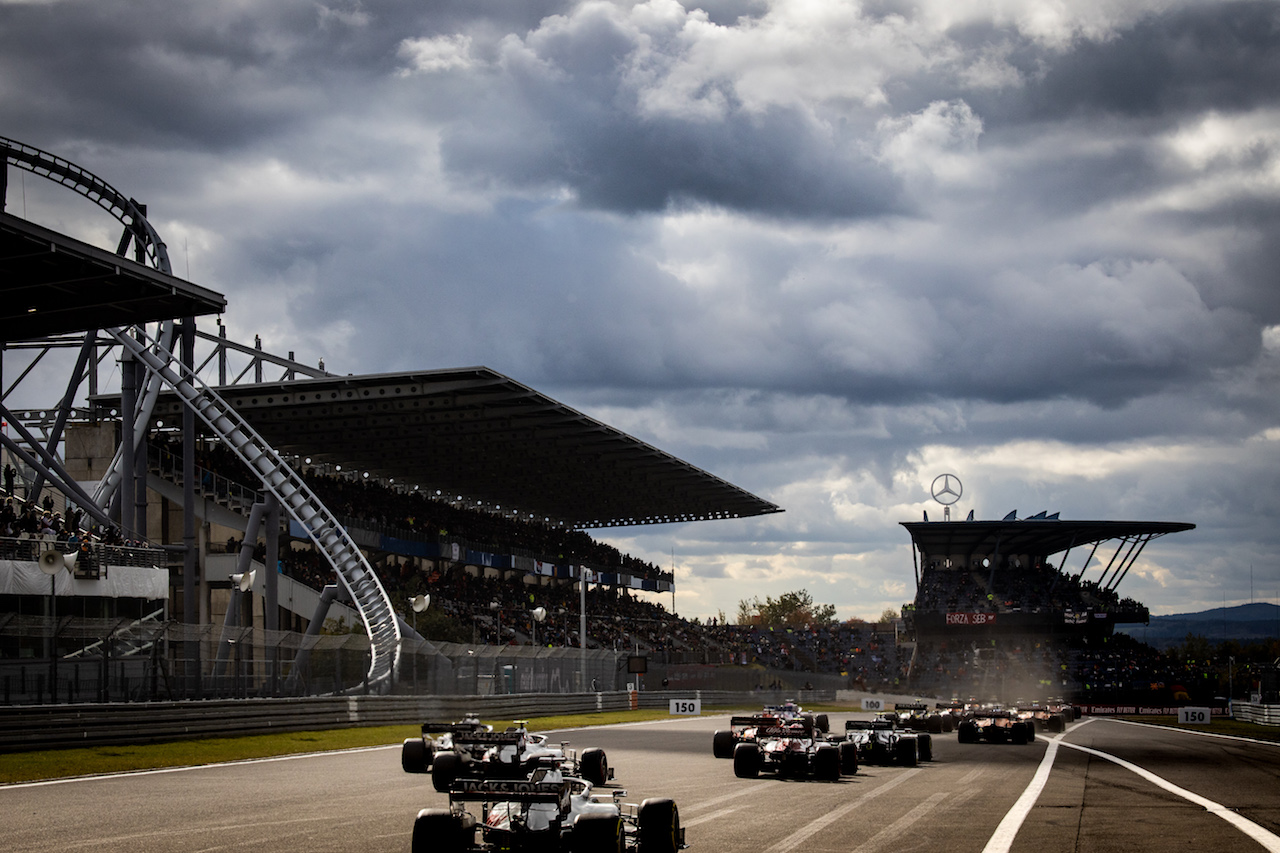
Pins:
x: 295, y: 497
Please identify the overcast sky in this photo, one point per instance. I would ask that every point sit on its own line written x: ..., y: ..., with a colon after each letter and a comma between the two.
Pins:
x: 824, y: 250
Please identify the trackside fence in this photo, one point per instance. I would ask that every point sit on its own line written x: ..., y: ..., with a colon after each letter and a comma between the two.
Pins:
x: 24, y: 728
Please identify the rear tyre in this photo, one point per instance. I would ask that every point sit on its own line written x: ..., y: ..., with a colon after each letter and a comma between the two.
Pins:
x: 826, y: 763
x: 659, y: 823
x: 968, y: 732
x: 722, y: 744
x: 414, y: 757
x: 597, y: 833
x: 438, y: 830
x: 821, y: 723
x: 746, y: 761
x: 594, y: 767
x: 924, y: 747
x: 444, y: 769
x: 905, y: 753
x: 848, y: 759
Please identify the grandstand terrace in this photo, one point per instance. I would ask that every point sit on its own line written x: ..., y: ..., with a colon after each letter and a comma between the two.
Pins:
x: 998, y: 615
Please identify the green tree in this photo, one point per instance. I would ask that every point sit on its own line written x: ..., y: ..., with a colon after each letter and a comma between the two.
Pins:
x: 888, y: 617
x: 790, y: 608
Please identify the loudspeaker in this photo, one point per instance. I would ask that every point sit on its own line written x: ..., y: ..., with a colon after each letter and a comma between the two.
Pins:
x: 244, y: 580
x: 420, y: 603
x: 52, y: 562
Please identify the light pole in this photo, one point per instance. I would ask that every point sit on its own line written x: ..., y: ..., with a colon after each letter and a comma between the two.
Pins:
x: 419, y: 603
x: 497, y: 609
x: 539, y: 614
x: 1231, y: 673
x: 52, y: 563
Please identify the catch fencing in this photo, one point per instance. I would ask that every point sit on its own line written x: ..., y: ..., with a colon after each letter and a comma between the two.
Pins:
x: 52, y: 727
x: 151, y: 659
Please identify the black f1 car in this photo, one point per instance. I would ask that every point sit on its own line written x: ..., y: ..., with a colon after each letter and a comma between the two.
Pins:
x: 995, y: 725
x: 884, y: 741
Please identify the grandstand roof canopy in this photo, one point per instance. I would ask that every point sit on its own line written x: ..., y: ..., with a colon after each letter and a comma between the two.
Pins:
x: 52, y: 284
x: 1038, y: 538
x: 476, y: 434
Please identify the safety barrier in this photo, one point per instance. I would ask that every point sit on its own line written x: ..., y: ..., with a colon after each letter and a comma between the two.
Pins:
x: 56, y: 727
x: 1253, y: 712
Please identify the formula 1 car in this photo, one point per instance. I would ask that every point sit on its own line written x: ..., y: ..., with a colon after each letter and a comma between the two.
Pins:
x: 883, y: 741
x: 995, y: 725
x: 791, y: 711
x: 742, y: 729
x: 917, y: 717
x: 1041, y: 718
x: 547, y: 811
x: 417, y: 753
x: 794, y: 748
x: 509, y: 754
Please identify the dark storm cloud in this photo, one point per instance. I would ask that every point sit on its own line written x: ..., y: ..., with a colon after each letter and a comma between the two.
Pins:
x: 1221, y: 57
x: 824, y: 251
x: 774, y: 165
x: 210, y: 76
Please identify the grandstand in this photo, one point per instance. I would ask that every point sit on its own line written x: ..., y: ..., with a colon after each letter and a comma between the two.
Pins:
x: 276, y: 515
x: 999, y: 615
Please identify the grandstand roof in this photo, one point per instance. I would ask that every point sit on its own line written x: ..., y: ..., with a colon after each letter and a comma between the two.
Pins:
x: 476, y: 434
x: 1036, y: 537
x: 52, y: 284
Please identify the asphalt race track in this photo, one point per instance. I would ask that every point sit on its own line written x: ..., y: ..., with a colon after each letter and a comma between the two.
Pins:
x: 1181, y: 791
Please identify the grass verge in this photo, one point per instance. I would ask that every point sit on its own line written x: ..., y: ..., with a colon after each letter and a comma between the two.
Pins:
x: 89, y: 761
x: 1237, y: 728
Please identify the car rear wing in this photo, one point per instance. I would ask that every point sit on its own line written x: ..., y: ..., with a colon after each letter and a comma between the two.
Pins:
x: 512, y: 790
x: 486, y: 738
x: 437, y: 728
x: 910, y: 706
x: 754, y: 720
x: 791, y: 728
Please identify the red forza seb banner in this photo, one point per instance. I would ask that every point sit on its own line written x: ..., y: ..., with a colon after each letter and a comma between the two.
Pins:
x: 970, y: 618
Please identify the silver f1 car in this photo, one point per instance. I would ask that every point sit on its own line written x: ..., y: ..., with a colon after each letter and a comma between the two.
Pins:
x: 510, y: 754
x: 548, y: 811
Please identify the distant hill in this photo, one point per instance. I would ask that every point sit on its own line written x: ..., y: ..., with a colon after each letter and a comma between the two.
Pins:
x: 1244, y: 623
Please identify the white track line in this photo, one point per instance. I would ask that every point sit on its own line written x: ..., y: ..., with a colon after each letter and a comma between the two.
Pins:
x: 799, y: 837
x: 1265, y: 837
x: 1002, y: 839
x: 899, y: 826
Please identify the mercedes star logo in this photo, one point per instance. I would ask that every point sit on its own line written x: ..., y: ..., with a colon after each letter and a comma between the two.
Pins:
x: 946, y: 489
